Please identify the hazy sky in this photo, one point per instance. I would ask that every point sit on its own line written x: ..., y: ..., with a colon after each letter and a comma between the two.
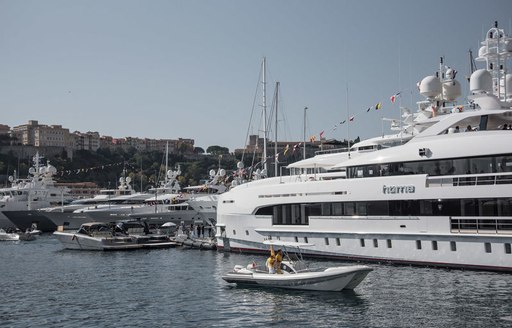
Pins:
x: 190, y: 69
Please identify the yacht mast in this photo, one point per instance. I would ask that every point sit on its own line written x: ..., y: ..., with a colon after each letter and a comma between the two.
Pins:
x: 264, y: 159
x: 304, y: 141
x: 275, y: 133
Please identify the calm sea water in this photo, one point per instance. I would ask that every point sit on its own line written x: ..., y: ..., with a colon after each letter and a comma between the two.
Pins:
x: 42, y: 285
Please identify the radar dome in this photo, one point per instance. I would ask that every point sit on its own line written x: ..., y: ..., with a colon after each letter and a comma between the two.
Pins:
x: 482, y: 51
x: 430, y: 87
x: 451, y: 90
x: 51, y: 169
x: 508, y: 46
x: 31, y: 170
x: 128, y: 179
x: 222, y: 172
x: 240, y: 165
x: 480, y: 81
x: 212, y: 173
x: 11, y: 178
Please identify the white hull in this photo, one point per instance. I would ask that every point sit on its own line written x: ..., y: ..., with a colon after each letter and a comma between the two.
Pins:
x: 425, y: 240
x: 83, y: 242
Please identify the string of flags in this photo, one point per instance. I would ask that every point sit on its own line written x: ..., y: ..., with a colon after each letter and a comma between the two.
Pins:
x: 377, y: 106
x: 94, y: 168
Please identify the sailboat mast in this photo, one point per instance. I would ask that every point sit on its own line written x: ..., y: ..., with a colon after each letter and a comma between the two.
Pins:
x: 304, y: 141
x: 264, y: 115
x: 275, y: 133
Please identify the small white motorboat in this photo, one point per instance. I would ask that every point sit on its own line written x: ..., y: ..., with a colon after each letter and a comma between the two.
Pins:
x: 8, y: 236
x: 296, y: 274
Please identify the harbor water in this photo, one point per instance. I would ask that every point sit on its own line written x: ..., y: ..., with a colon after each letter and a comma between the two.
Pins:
x: 42, y: 285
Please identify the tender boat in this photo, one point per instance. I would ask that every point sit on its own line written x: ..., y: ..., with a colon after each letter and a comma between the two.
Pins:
x: 296, y: 274
x: 103, y: 237
x: 8, y: 236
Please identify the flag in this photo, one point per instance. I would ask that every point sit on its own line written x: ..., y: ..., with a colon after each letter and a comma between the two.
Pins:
x: 378, y: 106
x: 277, y: 157
x: 286, y: 149
x: 351, y: 118
x: 312, y: 138
x: 393, y: 97
x: 321, y: 134
x: 343, y: 122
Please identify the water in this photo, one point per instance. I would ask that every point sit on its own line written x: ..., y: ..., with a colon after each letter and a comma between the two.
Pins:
x: 42, y: 285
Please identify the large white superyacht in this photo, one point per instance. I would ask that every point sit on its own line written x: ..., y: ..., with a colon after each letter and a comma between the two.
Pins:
x: 37, y: 191
x: 443, y: 198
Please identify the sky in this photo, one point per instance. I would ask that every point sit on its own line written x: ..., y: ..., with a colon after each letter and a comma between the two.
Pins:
x: 169, y: 69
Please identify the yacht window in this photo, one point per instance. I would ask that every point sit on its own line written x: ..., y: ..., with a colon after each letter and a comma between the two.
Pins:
x: 434, y: 245
x: 247, y: 232
x: 338, y: 242
x: 453, y: 246
x: 375, y: 243
x: 389, y: 243
x: 296, y: 239
x: 508, y: 249
x: 234, y: 232
x: 337, y: 209
x: 362, y: 242
x: 418, y: 244
x: 327, y: 241
x: 306, y: 240
x: 488, y: 247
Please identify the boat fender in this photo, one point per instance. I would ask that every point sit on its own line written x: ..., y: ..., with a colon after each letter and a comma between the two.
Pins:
x: 238, y: 267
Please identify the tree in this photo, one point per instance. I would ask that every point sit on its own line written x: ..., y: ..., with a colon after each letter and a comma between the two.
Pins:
x: 217, y: 150
x: 198, y: 150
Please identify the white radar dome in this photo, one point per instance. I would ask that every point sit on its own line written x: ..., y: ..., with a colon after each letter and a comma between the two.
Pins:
x: 128, y: 179
x: 222, y: 172
x: 51, y: 169
x: 482, y: 51
x: 508, y: 46
x: 451, y: 90
x: 430, y: 87
x: 480, y: 81
x: 240, y: 165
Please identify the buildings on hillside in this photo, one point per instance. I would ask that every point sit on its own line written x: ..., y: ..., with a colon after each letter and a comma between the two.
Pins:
x: 55, y: 136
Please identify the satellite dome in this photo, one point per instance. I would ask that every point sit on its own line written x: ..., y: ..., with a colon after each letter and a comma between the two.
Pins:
x: 480, y: 81
x: 482, y: 51
x: 508, y: 46
x: 51, y: 169
x: 222, y: 172
x: 451, y: 90
x: 240, y: 165
x: 212, y: 172
x: 128, y: 179
x: 430, y: 87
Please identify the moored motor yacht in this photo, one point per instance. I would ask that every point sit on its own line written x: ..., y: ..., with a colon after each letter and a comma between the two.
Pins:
x: 99, y: 236
x: 443, y: 198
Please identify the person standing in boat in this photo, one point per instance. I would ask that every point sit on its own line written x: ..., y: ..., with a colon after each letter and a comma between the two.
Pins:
x: 279, y: 259
x: 271, y: 261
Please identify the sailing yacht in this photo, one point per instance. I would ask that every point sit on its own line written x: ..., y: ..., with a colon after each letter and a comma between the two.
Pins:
x: 443, y: 198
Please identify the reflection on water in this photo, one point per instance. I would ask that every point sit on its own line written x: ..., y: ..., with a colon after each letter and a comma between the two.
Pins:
x: 43, y: 285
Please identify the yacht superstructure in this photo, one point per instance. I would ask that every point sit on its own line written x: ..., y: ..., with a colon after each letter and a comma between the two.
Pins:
x: 443, y: 198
